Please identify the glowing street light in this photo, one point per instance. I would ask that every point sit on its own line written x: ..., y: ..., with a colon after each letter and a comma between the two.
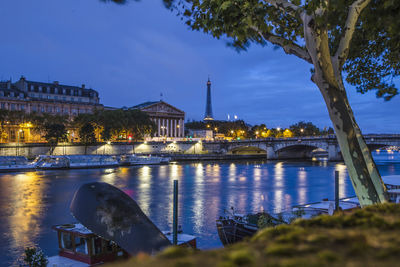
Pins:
x: 279, y: 128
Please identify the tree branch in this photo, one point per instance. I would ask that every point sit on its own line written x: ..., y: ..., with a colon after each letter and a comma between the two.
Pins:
x: 288, y: 47
x: 349, y: 28
x: 285, y: 6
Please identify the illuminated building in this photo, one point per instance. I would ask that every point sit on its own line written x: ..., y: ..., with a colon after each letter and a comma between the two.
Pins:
x: 168, y: 119
x: 38, y: 97
x: 51, y: 98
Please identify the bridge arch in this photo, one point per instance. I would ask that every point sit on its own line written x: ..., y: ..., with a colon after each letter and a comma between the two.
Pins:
x: 247, y: 150
x: 373, y: 147
x: 300, y: 151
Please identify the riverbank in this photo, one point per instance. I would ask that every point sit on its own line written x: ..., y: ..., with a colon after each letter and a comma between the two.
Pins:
x: 191, y: 152
x: 363, y: 237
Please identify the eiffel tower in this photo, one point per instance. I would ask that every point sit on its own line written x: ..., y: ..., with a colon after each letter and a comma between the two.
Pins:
x: 208, y: 116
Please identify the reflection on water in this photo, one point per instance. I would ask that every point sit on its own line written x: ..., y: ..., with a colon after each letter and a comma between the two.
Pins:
x: 32, y: 202
x: 26, y: 213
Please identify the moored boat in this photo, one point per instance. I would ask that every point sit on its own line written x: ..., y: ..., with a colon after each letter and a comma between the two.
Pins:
x: 92, y: 161
x: 15, y: 163
x: 234, y: 227
x: 132, y: 159
x: 47, y: 162
x: 78, y: 246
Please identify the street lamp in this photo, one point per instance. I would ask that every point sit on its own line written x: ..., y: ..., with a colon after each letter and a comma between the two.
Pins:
x: 17, y: 147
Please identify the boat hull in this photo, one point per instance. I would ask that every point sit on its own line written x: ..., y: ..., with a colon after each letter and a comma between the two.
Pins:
x: 230, y: 231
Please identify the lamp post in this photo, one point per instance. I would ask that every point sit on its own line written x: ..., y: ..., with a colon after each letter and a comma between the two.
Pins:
x: 17, y: 147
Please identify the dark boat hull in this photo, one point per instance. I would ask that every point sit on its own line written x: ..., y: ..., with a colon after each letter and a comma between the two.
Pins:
x: 231, y: 231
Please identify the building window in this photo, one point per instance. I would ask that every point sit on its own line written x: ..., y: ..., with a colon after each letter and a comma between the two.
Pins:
x: 48, y: 97
x: 3, y: 106
x: 34, y: 108
x: 56, y: 97
x: 21, y: 95
x: 40, y: 89
x: 72, y: 99
x: 22, y: 107
x: 32, y: 88
x: 63, y: 91
x: 58, y: 110
x: 12, y: 106
x: 1, y: 93
x: 42, y: 109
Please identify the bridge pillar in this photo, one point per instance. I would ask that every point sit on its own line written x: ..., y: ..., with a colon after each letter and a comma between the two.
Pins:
x: 334, y: 153
x: 271, y: 153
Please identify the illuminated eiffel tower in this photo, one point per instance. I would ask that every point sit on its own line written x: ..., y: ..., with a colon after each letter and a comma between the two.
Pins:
x: 208, y: 116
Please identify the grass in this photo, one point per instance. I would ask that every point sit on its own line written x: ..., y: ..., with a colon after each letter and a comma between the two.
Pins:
x: 363, y: 237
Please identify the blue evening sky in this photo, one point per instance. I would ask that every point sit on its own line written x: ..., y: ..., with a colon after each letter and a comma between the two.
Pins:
x: 132, y: 53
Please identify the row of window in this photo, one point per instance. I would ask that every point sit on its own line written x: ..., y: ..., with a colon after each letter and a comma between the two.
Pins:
x: 12, y: 94
x: 54, y: 90
x: 42, y: 108
x: 49, y: 97
x: 64, y: 98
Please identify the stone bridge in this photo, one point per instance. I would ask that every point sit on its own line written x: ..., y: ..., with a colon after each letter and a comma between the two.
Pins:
x: 271, y: 148
x: 299, y: 147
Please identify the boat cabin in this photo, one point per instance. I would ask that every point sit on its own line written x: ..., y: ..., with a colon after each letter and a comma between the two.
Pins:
x: 78, y: 243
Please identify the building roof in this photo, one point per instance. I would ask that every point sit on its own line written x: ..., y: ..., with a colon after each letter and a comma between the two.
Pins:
x: 86, y: 91
x: 145, y: 104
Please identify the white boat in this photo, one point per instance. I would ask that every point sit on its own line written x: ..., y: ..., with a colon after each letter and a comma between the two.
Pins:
x: 46, y: 162
x: 92, y: 161
x: 15, y: 163
x: 132, y: 159
x: 310, y: 210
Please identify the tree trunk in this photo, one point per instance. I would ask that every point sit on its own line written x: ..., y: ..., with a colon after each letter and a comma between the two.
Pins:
x: 364, y: 175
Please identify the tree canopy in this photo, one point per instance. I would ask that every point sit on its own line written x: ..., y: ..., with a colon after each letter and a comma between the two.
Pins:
x: 372, y: 61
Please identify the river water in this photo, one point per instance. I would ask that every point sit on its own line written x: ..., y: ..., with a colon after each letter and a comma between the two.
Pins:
x: 31, y: 202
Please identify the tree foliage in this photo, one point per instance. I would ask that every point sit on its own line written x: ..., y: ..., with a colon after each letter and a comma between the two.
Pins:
x: 118, y: 124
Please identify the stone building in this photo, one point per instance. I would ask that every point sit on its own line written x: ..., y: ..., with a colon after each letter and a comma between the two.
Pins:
x: 51, y: 98
x: 38, y: 97
x: 169, y: 119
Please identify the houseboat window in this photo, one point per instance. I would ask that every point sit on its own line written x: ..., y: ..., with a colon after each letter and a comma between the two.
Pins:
x: 96, y: 245
x: 66, y: 242
x: 81, y: 245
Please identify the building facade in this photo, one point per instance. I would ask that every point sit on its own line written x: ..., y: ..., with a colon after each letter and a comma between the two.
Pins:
x: 53, y: 98
x: 37, y: 97
x: 170, y: 120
